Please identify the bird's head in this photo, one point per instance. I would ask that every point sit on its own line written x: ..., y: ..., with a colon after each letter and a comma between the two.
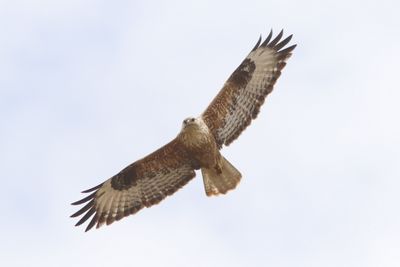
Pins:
x: 188, y: 122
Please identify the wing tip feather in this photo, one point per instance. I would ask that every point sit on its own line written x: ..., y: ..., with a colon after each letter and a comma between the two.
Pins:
x: 89, y: 209
x: 91, y: 212
x: 266, y: 41
x: 281, y: 53
x: 276, y: 43
x: 257, y: 44
x: 275, y: 40
x: 92, y: 189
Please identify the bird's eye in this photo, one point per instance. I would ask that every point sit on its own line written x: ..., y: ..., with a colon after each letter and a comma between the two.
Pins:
x: 192, y: 119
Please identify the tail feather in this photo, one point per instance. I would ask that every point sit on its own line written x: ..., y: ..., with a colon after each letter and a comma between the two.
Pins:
x: 216, y: 183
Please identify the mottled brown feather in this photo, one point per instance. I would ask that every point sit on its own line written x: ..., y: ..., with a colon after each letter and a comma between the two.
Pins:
x: 243, y: 94
x: 142, y: 184
x: 148, y: 181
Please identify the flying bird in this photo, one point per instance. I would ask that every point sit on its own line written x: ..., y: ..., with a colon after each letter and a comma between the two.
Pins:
x: 149, y: 180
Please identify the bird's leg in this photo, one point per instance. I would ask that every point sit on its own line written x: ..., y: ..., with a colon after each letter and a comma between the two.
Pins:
x: 218, y: 165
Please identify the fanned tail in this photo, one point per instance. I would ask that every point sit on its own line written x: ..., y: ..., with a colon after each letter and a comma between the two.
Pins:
x: 216, y: 183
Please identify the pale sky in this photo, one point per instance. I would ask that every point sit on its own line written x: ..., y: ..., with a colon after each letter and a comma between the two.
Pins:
x: 87, y: 87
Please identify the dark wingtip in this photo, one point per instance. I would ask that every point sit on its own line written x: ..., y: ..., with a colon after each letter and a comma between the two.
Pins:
x: 276, y: 39
x: 91, y: 224
x: 86, y: 216
x: 283, y: 42
x: 257, y: 44
x: 92, y: 189
x: 84, y: 200
x: 89, y: 209
x: 84, y: 209
x: 265, y: 43
x: 287, y: 51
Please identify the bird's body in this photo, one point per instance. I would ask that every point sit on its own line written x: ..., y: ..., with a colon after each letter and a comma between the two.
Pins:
x: 197, y: 146
x: 198, y: 141
x: 219, y: 175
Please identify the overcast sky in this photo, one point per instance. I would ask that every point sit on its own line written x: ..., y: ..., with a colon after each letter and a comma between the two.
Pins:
x: 87, y: 87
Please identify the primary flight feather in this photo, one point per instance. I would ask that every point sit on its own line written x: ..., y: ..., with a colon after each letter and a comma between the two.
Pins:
x: 197, y: 146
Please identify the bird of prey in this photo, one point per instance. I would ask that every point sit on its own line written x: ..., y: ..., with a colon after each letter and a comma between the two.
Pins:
x: 197, y: 146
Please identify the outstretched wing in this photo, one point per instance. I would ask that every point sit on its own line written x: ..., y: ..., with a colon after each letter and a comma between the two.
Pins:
x: 142, y: 184
x: 244, y: 92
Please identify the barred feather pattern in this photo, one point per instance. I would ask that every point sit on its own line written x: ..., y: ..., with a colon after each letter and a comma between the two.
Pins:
x: 151, y: 179
x: 241, y: 97
x: 141, y: 184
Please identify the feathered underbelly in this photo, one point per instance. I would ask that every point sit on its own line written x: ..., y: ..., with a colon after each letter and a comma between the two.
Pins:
x: 202, y: 148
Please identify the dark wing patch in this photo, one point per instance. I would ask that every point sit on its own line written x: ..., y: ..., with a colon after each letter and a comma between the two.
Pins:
x: 241, y: 97
x: 141, y: 184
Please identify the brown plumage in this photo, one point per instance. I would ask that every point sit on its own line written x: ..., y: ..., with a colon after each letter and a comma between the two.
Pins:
x: 148, y: 181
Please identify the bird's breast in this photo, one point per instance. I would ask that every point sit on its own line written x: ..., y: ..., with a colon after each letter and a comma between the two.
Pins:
x: 200, y: 144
